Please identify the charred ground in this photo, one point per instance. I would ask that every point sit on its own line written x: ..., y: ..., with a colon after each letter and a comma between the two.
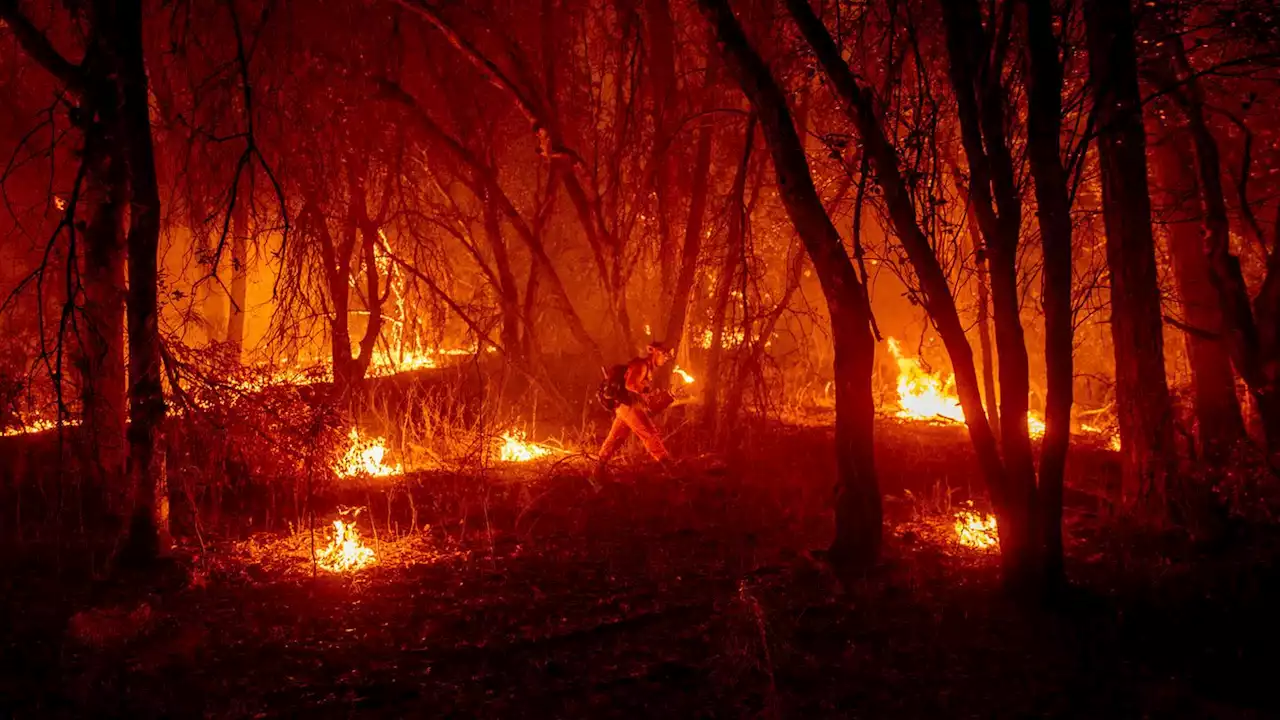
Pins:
x: 532, y: 595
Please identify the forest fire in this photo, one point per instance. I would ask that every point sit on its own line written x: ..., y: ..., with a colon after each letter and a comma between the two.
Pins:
x: 263, y: 262
x: 516, y: 449
x: 364, y: 458
x: 975, y: 530
x: 346, y: 552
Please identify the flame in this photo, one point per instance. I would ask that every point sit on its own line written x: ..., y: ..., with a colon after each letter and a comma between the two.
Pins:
x: 975, y: 530
x: 33, y: 426
x: 516, y: 449
x: 922, y: 395
x: 346, y: 552
x: 1035, y: 425
x: 364, y: 457
x: 688, y: 379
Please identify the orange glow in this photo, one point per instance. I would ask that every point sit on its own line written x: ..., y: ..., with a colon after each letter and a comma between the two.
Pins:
x: 29, y: 427
x: 515, y: 448
x: 922, y: 395
x: 346, y: 552
x: 364, y: 458
x: 975, y: 530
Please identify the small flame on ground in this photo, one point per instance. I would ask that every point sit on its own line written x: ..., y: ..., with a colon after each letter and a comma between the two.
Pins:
x: 346, y: 551
x: 975, y: 530
x: 364, y: 457
x: 515, y: 448
x: 688, y: 379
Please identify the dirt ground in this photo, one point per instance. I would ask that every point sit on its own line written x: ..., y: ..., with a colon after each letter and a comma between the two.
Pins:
x: 533, y: 595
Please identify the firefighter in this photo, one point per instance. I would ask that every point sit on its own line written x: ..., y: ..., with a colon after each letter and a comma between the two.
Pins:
x: 635, y: 404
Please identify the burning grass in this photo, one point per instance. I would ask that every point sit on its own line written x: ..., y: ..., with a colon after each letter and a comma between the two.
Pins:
x: 363, y: 458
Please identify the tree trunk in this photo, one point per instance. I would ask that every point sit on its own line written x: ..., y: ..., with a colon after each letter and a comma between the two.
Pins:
x: 858, y: 509
x: 149, y: 530
x: 1219, y: 422
x: 724, y: 280
x: 101, y: 352
x: 508, y: 293
x: 1142, y: 394
x: 678, y: 310
x: 1053, y: 200
x: 1253, y: 338
x: 239, y: 277
x: 662, y: 83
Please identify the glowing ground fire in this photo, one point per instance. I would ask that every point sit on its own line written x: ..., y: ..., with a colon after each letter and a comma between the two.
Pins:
x: 515, y: 448
x: 364, y: 457
x: 976, y: 530
x: 346, y: 552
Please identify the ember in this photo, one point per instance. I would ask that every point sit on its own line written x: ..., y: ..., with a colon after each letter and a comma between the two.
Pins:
x: 364, y: 457
x: 345, y: 552
x: 975, y: 530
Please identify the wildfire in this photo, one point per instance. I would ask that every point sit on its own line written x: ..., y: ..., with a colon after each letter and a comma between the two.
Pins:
x: 346, y: 551
x: 515, y: 448
x: 29, y: 427
x: 364, y: 457
x: 685, y: 376
x: 975, y: 530
x: 923, y: 395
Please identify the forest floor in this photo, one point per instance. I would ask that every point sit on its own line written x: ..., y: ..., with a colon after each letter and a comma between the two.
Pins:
x: 670, y: 597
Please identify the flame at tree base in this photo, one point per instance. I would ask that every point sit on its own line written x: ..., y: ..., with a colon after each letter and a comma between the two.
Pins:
x: 976, y: 531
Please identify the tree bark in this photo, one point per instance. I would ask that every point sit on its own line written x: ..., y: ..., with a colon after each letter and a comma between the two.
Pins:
x: 149, y: 530
x: 103, y: 386
x: 692, y: 248
x: 858, y: 508
x: 239, y: 278
x: 508, y: 293
x: 1053, y: 201
x: 724, y: 280
x: 1142, y: 394
x: 1219, y: 422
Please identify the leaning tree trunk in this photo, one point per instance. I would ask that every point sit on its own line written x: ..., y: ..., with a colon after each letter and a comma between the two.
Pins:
x: 1142, y: 394
x: 1253, y: 337
x: 1053, y: 200
x: 239, y: 278
x: 149, y: 530
x: 1219, y: 422
x: 1017, y: 545
x: 858, y: 509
